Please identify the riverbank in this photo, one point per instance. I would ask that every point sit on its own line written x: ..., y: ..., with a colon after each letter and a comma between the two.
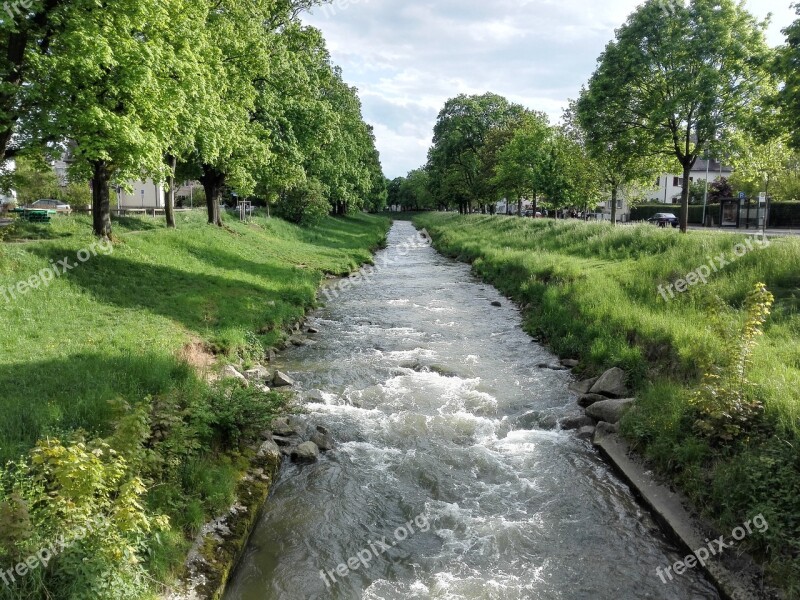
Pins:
x: 604, y: 295
x: 111, y: 353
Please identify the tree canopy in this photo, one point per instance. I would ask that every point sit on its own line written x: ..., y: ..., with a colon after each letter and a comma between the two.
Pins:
x: 236, y: 93
x: 679, y: 82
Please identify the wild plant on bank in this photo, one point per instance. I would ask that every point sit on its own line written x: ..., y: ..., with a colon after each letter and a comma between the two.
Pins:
x: 726, y: 401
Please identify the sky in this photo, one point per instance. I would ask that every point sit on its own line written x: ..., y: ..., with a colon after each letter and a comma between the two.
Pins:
x: 407, y: 57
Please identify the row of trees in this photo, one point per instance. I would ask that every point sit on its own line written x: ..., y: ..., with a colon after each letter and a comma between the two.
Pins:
x: 233, y: 93
x: 679, y: 82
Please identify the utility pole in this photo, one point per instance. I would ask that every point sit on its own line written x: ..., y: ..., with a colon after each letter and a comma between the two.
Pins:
x: 705, y: 197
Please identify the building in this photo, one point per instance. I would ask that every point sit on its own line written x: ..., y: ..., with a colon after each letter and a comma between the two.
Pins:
x: 670, y: 187
x: 144, y: 194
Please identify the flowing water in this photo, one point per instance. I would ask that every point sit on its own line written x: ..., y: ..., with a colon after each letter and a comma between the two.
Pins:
x: 442, y: 485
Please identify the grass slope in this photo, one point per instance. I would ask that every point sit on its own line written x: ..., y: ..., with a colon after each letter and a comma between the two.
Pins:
x: 593, y: 293
x: 114, y: 326
x: 104, y: 357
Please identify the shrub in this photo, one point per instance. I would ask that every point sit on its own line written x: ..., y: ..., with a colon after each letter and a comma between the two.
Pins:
x: 726, y: 400
x: 305, y: 204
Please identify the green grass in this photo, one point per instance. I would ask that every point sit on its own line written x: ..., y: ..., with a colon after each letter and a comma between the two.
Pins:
x: 101, y: 352
x: 113, y: 326
x: 592, y: 292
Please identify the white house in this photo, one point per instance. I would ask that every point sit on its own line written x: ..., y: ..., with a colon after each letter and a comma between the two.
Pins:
x: 670, y: 186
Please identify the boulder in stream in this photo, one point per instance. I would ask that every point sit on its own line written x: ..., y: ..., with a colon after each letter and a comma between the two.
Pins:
x: 282, y: 380
x: 583, y: 387
x: 587, y: 400
x: 570, y: 423
x: 270, y: 451
x: 323, y: 441
x: 281, y: 427
x: 611, y: 384
x: 610, y: 411
x: 305, y: 452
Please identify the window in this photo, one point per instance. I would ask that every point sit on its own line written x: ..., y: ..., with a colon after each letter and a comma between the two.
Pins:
x: 619, y: 204
x: 658, y: 182
x: 676, y: 182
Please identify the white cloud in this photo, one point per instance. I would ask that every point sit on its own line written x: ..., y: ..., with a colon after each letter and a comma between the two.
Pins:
x: 407, y: 57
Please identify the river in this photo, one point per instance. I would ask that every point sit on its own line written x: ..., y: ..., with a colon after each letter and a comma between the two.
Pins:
x: 435, y: 489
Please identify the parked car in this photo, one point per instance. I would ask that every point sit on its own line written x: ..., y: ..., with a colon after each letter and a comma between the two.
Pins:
x: 664, y: 219
x: 48, y: 204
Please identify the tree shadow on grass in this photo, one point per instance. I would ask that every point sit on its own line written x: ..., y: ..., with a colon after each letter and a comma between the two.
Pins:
x: 59, y: 395
x: 197, y: 301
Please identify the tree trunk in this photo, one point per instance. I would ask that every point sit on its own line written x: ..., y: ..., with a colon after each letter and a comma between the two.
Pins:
x: 614, y: 206
x: 213, y: 181
x: 169, y: 203
x: 101, y: 199
x: 684, y: 217
x: 535, y: 207
x: 519, y: 207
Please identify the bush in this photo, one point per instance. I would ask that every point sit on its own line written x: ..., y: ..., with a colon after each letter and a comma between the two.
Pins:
x: 305, y: 205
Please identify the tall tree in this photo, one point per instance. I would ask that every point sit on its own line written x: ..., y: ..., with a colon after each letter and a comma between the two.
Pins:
x: 454, y: 161
x: 789, y: 68
x: 520, y: 169
x: 679, y: 81
x: 105, y: 86
x: 619, y: 161
x: 26, y: 32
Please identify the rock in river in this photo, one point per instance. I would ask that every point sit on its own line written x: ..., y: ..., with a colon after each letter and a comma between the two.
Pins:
x: 610, y: 411
x: 282, y: 380
x: 588, y: 399
x: 306, y: 452
x: 611, y: 384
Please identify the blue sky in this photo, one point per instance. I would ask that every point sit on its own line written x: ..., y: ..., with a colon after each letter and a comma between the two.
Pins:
x: 407, y: 57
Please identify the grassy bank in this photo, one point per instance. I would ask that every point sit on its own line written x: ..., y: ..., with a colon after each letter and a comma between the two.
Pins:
x: 102, y: 364
x: 594, y: 292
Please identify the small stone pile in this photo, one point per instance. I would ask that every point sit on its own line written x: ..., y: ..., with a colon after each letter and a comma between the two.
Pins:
x: 605, y: 400
x: 303, y: 443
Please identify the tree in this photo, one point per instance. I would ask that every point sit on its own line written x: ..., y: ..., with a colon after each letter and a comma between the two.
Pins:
x: 454, y: 161
x: 28, y: 32
x: 34, y: 180
x: 415, y: 191
x: 230, y: 144
x: 490, y: 187
x: 393, y: 189
x: 520, y: 169
x: 614, y: 149
x: 719, y: 190
x: 758, y: 164
x: 679, y: 81
x: 109, y: 95
x: 789, y: 68
x: 569, y: 175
